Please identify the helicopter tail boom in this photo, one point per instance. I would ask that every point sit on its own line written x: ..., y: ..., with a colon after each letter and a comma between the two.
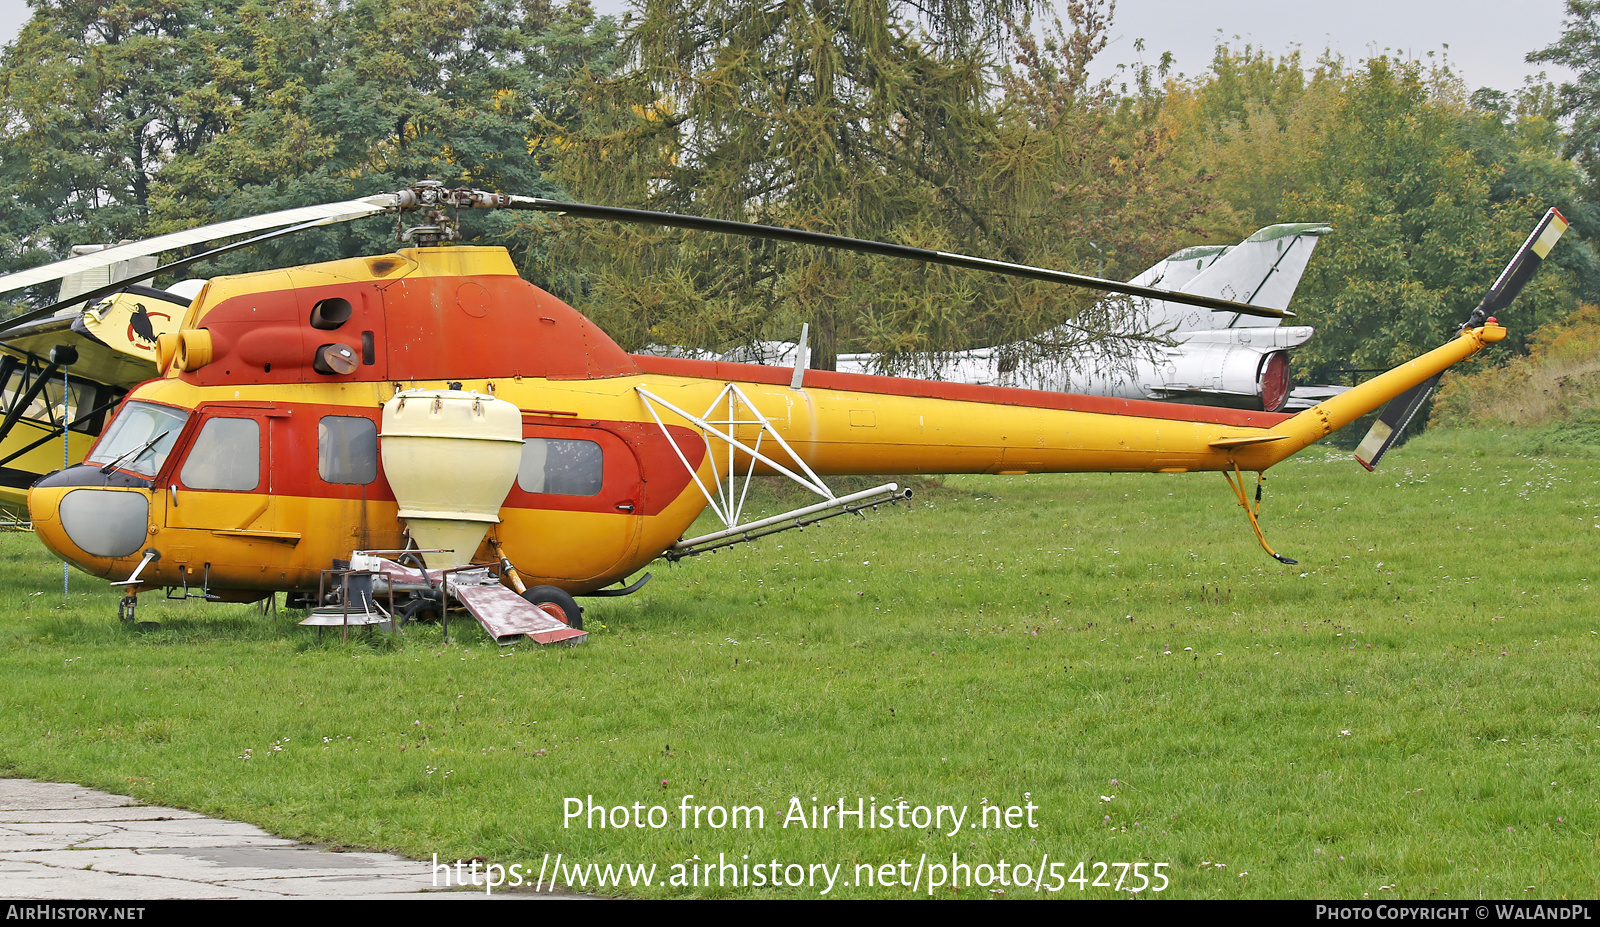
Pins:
x: 1323, y: 419
x: 859, y: 424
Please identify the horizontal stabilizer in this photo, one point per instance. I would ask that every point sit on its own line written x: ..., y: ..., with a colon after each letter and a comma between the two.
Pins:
x: 1247, y: 440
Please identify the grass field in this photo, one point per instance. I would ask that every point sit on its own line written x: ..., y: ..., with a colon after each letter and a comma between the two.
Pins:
x: 1412, y: 712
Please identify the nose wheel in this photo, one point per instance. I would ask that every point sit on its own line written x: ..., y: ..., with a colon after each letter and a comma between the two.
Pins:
x: 126, y: 608
x: 130, y: 590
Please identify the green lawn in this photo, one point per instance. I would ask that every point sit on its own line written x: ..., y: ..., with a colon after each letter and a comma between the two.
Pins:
x: 1411, y: 712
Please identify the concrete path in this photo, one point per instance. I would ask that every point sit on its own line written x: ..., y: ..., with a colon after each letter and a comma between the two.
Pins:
x: 67, y: 842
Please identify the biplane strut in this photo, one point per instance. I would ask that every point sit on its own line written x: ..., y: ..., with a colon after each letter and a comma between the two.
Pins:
x: 732, y: 488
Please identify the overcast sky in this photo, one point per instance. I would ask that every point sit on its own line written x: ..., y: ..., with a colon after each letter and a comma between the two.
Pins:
x: 1487, y: 39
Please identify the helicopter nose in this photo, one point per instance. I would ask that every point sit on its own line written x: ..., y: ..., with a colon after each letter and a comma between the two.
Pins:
x: 79, y: 511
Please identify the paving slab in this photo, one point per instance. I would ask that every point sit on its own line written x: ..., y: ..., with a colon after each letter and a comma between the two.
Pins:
x: 61, y: 842
x: 118, y: 813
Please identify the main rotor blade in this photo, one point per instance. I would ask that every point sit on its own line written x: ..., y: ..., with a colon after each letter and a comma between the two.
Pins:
x: 797, y: 236
x: 97, y: 293
x: 324, y: 214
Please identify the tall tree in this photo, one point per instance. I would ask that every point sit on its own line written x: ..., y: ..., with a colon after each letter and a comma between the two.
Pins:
x: 1418, y: 235
x: 176, y: 114
x: 1579, y: 99
x: 872, y: 119
x: 786, y: 112
x: 94, y: 101
x: 1251, y: 122
x: 1518, y: 140
x: 337, y: 100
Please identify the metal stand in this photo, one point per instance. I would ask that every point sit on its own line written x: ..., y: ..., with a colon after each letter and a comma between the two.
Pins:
x: 322, y: 615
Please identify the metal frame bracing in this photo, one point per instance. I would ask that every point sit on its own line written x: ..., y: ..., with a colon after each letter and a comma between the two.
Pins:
x: 732, y: 488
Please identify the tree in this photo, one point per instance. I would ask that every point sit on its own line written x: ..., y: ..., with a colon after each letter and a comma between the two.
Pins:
x: 94, y: 101
x: 1250, y: 123
x: 1518, y: 141
x: 1418, y: 235
x: 875, y: 120
x: 176, y: 115
x: 345, y: 99
x: 798, y: 112
x: 1579, y: 99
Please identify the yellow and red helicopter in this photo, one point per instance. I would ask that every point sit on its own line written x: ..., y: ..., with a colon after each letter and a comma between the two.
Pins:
x: 439, y: 428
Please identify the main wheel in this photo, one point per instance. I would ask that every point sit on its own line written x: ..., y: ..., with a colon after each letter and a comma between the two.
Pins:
x: 418, y: 608
x: 557, y: 603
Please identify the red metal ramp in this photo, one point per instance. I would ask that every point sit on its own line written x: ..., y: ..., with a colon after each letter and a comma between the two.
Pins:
x: 508, y: 616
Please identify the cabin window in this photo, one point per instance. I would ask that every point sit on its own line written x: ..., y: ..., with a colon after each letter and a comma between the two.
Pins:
x: 226, y: 455
x: 560, y: 467
x: 347, y: 449
x: 140, y: 438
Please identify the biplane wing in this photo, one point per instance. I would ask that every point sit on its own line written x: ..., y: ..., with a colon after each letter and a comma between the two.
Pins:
x: 115, y: 339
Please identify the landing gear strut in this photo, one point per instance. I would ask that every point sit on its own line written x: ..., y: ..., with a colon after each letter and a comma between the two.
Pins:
x: 126, y: 606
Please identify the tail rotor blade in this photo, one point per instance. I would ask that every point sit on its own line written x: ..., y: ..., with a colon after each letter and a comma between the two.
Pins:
x: 1521, y: 269
x: 1392, y: 421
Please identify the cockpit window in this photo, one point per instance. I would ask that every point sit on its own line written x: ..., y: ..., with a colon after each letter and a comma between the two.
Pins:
x: 139, y: 438
x: 17, y: 381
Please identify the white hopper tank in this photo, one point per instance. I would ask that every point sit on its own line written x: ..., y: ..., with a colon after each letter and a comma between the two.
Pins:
x: 450, y: 457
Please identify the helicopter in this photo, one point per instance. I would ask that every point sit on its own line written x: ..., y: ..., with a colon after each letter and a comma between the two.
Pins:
x: 436, y: 428
x: 61, y: 374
